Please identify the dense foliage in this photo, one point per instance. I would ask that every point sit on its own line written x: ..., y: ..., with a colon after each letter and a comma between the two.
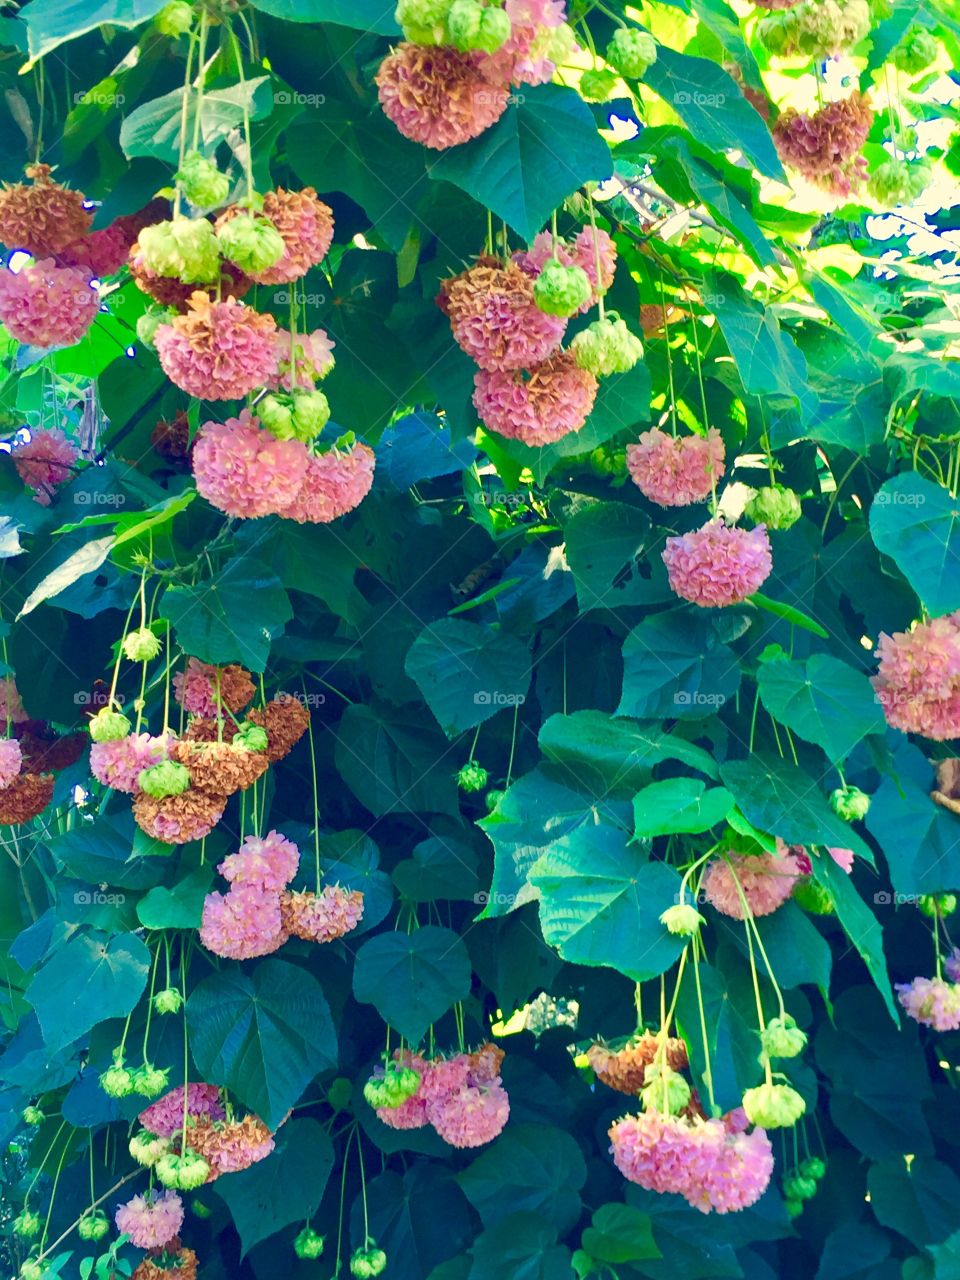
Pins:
x: 480, y: 624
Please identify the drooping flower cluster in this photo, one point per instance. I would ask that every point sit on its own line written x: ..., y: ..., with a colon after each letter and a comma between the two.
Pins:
x: 41, y: 216
x: 167, y: 1264
x: 717, y: 565
x: 245, y: 471
x: 462, y: 1097
x: 625, y: 1069
x: 206, y: 690
x: 931, y: 1002
x: 539, y: 406
x: 218, y: 350
x: 46, y: 305
x: 118, y: 762
x: 825, y: 146
x: 25, y: 791
x: 494, y: 317
x: 675, y: 471
x: 918, y: 680
x: 763, y: 881
x: 45, y: 462
x: 815, y: 28
x: 593, y: 252
x: 152, y: 1220
x: 305, y: 226
x: 450, y: 79
x: 714, y: 1164
x: 259, y: 913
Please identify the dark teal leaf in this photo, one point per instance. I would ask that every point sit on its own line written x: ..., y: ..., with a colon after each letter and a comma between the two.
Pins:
x: 179, y: 907
x: 620, y: 1233
x: 675, y: 667
x: 232, y: 617
x: 523, y: 1247
x: 915, y: 522
x: 920, y: 839
x: 679, y: 805
x: 532, y: 1168
x: 918, y: 1200
x: 51, y: 22
x: 412, y: 979
x: 364, y: 15
x: 467, y: 672
x: 823, y: 700
x: 87, y: 980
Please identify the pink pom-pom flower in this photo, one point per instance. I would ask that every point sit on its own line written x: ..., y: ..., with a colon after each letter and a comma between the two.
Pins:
x: 765, y: 881
x: 539, y: 407
x: 716, y: 566
x: 218, y: 350
x: 918, y: 680
x: 245, y: 471
x: 151, y: 1221
x: 243, y: 923
x: 931, y: 1002
x: 334, y: 482
x: 266, y: 862
x: 11, y: 761
x: 675, y: 471
x: 45, y: 462
x: 47, y: 305
x: 438, y: 96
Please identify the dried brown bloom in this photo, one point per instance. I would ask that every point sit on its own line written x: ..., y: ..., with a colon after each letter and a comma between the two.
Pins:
x: 172, y: 439
x: 825, y: 146
x: 173, y: 1262
x: 41, y: 216
x: 947, y: 790
x: 286, y: 720
x: 179, y: 819
x: 26, y: 797
x: 321, y: 917
x: 624, y: 1069
x: 220, y: 767
x: 171, y: 293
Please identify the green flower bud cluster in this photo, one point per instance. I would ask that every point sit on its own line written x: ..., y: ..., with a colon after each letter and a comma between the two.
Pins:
x: 782, y: 1038
x: 683, y: 919
x: 108, y: 726
x: 393, y: 1088
x: 934, y: 905
x: 26, y: 1224
x: 168, y: 1000
x: 664, y: 1089
x: 898, y: 182
x: 813, y: 897
x: 597, y: 85
x: 175, y: 19
x: 202, y: 182
x: 916, y: 51
x: 185, y: 1172
x: 560, y: 290
x: 424, y: 21
x: 773, y: 1106
x: 472, y: 777
x: 471, y: 25
x: 164, y: 779
x: 816, y: 28
x: 141, y: 645
x: 252, y: 737
x: 94, y: 1225
x: 308, y: 1243
x: 774, y: 506
x: 849, y: 803
x: 117, y: 1081
x: 185, y: 249
x: 368, y: 1262
x: 149, y: 1081
x: 301, y: 415
x: 32, y: 1116
x: 606, y: 347
x: 148, y: 324
x: 253, y: 243
x: 146, y: 1149
x: 31, y: 1270
x: 631, y: 52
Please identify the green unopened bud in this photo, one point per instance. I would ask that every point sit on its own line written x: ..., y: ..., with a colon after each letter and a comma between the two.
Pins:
x: 200, y: 1208
x: 631, y: 52
x: 117, y: 1082
x: 32, y: 1116
x: 254, y: 244
x: 560, y: 290
x: 108, y: 726
x: 597, y: 85
x: 794, y: 1208
x: 184, y: 1172
x: 933, y: 905
x: 368, y: 1262
x: 141, y: 645
x: 164, y: 779
x: 175, y: 19
x: 556, y: 44
x: 916, y: 51
x: 202, y: 182
x: 899, y: 181
x: 797, y: 1187
x: 311, y: 413
x: 31, y: 1270
x: 606, y: 347
x: 472, y: 777
x: 275, y: 412
x: 682, y: 919
x: 308, y: 1243
x: 185, y: 249
x: 664, y: 1089
x: 93, y: 1225
x: 252, y: 737
x: 26, y: 1224
x: 774, y: 506
x: 378, y: 1094
x: 463, y: 23
x: 149, y: 1081
x: 849, y: 803
x: 146, y: 1149
x: 813, y: 896
x: 148, y: 324
x: 493, y: 798
x: 168, y: 1000
x: 423, y: 21
x: 782, y: 1038
x: 813, y: 1167
x: 495, y: 30
x: 773, y: 1106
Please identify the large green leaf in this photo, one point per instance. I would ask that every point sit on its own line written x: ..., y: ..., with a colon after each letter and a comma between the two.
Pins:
x: 917, y: 524
x: 364, y: 15
x: 232, y: 617
x: 153, y: 128
x: 542, y: 149
x: 52, y: 22
x: 679, y: 805
x: 860, y: 925
x: 608, y: 548
x: 412, y: 979
x: 87, y: 980
x: 675, y: 667
x: 287, y: 1187
x: 920, y: 840
x: 620, y: 1233
x: 264, y: 1035
x: 393, y: 766
x: 419, y: 1219
x: 710, y: 103
x: 823, y: 700
x: 468, y: 672
x: 600, y: 903
x: 85, y: 560
x: 523, y: 1247
x: 179, y: 907
x: 918, y: 1200
x: 105, y: 852
x: 532, y: 1168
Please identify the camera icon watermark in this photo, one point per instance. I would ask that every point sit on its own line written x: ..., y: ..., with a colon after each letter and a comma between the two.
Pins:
x: 98, y: 898
x: 484, y: 899
x: 88, y: 498
x: 83, y: 698
x: 497, y: 698
x: 899, y: 499
x: 698, y: 699
x: 311, y: 699
x: 283, y: 297
x: 290, y: 97
x: 98, y: 98
x: 500, y: 498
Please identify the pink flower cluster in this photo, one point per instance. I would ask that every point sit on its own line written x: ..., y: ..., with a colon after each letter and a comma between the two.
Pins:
x: 151, y: 1221
x: 118, y: 764
x: 218, y: 350
x: 440, y: 97
x: 245, y: 471
x: 931, y: 1002
x: 313, y: 354
x: 462, y: 1097
x: 47, y: 305
x: 825, y: 146
x: 45, y: 462
x: 164, y: 1117
x: 246, y: 921
x: 918, y: 680
x: 11, y: 761
x: 675, y: 471
x: 583, y: 252
x: 714, y: 1164
x: 716, y: 566
x: 538, y: 406
x: 765, y: 881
